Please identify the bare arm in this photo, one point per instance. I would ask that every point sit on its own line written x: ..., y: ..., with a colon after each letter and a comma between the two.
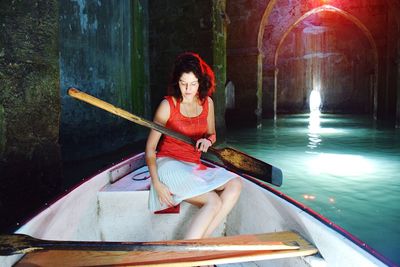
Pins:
x: 204, y: 143
x: 161, y: 118
x: 211, y: 121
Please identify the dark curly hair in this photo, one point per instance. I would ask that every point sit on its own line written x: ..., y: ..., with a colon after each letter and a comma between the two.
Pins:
x: 191, y: 62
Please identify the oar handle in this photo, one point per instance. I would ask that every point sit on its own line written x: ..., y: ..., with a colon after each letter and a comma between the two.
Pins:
x: 75, y: 93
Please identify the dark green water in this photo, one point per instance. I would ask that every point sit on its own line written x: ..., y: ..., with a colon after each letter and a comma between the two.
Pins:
x: 344, y: 167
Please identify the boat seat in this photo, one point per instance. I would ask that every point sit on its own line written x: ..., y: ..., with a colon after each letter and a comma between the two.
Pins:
x: 123, y: 209
x: 138, y: 180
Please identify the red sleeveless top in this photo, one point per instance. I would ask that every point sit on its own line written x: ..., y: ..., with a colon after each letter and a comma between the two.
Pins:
x: 195, y: 128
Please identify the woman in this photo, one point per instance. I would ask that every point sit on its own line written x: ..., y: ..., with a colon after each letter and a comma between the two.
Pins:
x: 175, y: 169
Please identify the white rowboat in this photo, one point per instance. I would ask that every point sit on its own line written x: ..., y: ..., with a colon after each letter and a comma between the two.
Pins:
x: 112, y: 207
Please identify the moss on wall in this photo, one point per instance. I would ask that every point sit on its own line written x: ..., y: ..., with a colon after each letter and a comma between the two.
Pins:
x: 140, y: 77
x: 30, y: 106
x: 29, y: 67
x: 96, y: 56
x: 2, y: 131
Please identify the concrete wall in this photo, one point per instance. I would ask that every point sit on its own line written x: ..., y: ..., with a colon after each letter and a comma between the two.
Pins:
x: 29, y: 107
x: 97, y: 56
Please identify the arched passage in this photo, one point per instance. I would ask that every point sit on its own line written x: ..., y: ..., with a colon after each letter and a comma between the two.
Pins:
x: 346, y: 15
x: 323, y: 8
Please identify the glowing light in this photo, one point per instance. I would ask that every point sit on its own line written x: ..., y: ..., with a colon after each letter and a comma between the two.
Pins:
x: 314, y: 120
x: 341, y: 164
x: 309, y: 197
x: 315, y: 101
x: 331, y: 200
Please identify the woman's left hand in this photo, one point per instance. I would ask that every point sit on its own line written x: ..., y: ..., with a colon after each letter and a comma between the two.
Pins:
x: 203, y: 144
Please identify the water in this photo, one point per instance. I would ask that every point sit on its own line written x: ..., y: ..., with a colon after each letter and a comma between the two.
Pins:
x: 344, y: 167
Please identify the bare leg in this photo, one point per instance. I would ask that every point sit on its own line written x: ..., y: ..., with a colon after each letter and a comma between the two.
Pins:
x: 229, y: 196
x: 210, y: 204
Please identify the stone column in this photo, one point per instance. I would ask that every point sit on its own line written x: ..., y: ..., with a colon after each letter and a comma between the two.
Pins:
x: 219, y: 22
x: 398, y: 85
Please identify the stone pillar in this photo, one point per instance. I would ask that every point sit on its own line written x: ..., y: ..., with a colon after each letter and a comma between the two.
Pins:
x: 269, y: 78
x: 243, y: 70
x: 140, y: 59
x: 220, y: 21
x: 30, y: 159
x: 398, y: 85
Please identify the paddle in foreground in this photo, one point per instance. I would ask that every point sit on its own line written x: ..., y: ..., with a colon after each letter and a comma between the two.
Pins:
x: 21, y: 243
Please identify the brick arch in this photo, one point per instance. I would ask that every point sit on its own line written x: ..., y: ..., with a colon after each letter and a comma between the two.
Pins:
x: 323, y: 8
x: 263, y: 23
x: 357, y: 22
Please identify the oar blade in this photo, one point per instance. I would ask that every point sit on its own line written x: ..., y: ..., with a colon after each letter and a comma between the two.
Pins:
x: 247, y: 164
x: 16, y: 244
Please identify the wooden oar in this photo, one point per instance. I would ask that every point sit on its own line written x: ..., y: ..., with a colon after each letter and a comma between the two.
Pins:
x: 20, y: 243
x: 232, y: 158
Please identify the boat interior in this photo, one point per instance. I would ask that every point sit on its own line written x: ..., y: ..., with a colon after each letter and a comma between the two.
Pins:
x: 112, y: 206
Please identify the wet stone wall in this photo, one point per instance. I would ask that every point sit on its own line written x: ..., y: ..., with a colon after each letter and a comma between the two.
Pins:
x: 96, y: 57
x: 29, y: 107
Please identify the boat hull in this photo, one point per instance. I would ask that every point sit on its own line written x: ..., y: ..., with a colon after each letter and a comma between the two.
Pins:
x: 111, y: 206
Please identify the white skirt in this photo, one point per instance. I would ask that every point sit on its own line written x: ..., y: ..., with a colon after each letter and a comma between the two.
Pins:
x: 186, y: 180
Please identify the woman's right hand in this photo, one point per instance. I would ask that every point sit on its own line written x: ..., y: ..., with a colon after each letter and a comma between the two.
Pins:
x: 164, y: 195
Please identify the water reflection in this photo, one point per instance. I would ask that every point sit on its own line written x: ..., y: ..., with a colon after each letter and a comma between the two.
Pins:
x: 338, y: 164
x: 344, y: 167
x: 314, y: 127
x: 314, y: 124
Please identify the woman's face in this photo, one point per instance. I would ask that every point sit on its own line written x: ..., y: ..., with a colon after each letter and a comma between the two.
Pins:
x: 189, y: 86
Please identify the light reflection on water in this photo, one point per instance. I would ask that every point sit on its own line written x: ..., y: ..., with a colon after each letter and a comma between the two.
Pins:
x: 346, y: 168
